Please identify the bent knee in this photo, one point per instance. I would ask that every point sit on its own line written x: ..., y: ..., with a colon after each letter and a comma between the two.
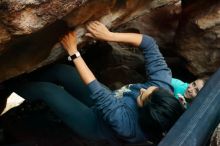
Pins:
x: 44, y: 87
x: 62, y: 69
x: 37, y: 89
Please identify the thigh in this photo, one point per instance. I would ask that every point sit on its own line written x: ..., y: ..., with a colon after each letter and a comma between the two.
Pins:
x: 68, y: 77
x: 79, y: 117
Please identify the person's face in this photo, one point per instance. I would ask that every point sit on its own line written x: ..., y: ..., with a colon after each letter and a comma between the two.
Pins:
x: 144, y: 95
x: 193, y: 89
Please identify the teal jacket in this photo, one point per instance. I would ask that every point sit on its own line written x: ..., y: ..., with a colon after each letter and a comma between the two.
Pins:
x: 179, y: 88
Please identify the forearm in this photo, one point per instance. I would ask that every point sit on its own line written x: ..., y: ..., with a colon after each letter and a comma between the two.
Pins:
x: 130, y: 38
x: 99, y: 31
x: 155, y: 65
x: 85, y: 73
x: 69, y: 42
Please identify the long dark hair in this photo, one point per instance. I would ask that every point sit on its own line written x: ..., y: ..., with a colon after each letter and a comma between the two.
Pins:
x: 159, y: 113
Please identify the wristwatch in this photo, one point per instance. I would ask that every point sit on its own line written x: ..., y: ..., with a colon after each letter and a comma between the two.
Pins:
x: 74, y: 56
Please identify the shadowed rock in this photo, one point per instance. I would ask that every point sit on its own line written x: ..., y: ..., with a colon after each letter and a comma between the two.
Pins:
x: 30, y: 30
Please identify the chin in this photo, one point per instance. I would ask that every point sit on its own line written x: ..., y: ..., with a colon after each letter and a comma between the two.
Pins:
x: 185, y: 95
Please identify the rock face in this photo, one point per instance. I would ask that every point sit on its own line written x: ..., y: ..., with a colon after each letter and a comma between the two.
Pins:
x: 28, y: 16
x: 29, y: 32
x: 190, y: 31
x: 198, y: 36
x: 215, y: 140
x: 30, y: 29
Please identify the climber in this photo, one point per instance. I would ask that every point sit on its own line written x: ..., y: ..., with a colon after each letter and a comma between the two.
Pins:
x: 133, y: 114
x: 186, y: 92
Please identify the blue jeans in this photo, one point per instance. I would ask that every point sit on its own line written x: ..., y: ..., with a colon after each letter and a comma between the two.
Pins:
x: 62, y: 89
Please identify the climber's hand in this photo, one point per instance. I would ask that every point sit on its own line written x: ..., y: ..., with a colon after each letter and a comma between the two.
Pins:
x: 69, y: 42
x: 99, y: 31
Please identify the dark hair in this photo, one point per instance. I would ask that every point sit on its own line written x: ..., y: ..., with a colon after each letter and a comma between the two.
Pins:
x: 204, y: 79
x: 160, y: 113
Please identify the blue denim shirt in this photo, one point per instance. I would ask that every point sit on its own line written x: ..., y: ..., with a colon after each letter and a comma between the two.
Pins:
x: 118, y: 109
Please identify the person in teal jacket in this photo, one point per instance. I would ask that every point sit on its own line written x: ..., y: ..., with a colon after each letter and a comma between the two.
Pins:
x: 186, y: 92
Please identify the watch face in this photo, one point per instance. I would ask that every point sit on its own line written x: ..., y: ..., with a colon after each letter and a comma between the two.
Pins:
x: 74, y: 56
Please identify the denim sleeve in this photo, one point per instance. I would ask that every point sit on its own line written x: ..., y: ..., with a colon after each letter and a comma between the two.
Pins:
x: 156, y: 68
x: 113, y: 111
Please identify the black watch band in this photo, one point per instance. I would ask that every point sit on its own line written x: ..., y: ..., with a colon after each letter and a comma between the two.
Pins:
x: 74, y: 56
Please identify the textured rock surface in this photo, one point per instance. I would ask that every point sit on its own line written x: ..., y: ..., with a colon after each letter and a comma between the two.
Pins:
x: 30, y: 30
x: 161, y: 24
x: 215, y: 140
x: 198, y: 36
x: 193, y: 33
x: 27, y: 16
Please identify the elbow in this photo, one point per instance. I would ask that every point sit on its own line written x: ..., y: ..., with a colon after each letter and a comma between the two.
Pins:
x: 147, y: 42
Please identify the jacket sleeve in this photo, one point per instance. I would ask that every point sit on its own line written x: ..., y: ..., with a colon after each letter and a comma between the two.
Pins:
x: 113, y: 111
x: 156, y: 68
